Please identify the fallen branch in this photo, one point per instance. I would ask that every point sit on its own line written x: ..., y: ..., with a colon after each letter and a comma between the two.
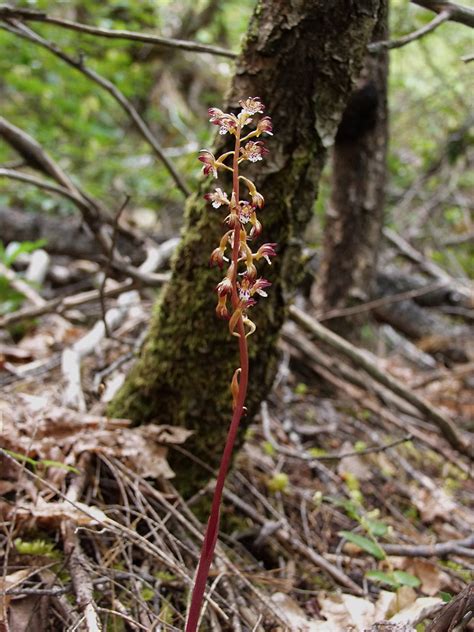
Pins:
x: 36, y: 157
x: 187, y: 519
x: 325, y: 335
x: 341, y: 377
x: 429, y: 267
x: 106, y: 522
x: 30, y: 15
x: 76, y: 560
x: 108, y: 265
x: 71, y: 358
x: 343, y: 312
x: 62, y: 305
x: 463, y: 547
x: 78, y: 200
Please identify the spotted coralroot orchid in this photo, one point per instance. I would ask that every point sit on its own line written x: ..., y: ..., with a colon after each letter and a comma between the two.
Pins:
x: 239, y: 288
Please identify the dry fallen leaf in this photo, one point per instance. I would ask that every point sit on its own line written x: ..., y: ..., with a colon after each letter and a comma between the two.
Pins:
x: 353, y: 465
x: 431, y: 577
x: 385, y: 603
x: 347, y: 613
x: 292, y: 612
x: 432, y: 503
x: 29, y: 613
x: 417, y: 611
x: 6, y: 583
x: 61, y: 435
x: 51, y: 514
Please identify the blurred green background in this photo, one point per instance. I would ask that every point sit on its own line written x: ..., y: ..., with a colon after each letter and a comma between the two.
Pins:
x: 90, y: 136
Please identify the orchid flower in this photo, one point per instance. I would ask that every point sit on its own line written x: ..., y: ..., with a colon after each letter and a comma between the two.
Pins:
x: 240, y: 287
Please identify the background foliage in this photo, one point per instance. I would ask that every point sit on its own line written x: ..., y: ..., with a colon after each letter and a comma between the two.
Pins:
x: 87, y: 132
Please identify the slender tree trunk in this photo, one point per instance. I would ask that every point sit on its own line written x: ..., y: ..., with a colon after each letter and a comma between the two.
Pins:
x: 354, y: 221
x: 300, y: 58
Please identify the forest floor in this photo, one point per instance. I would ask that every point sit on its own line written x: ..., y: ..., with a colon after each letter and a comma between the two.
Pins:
x: 347, y: 507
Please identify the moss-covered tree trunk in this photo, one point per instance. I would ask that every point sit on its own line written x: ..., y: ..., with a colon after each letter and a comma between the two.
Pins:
x: 301, y: 58
x: 354, y: 222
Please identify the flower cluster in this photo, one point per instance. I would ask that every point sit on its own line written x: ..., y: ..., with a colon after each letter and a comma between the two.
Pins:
x: 240, y: 286
x: 241, y: 283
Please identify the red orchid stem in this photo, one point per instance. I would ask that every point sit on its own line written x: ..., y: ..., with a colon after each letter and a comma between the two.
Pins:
x: 212, y: 530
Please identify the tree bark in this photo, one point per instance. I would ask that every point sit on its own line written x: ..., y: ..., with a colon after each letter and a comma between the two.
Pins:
x: 301, y: 59
x: 354, y: 220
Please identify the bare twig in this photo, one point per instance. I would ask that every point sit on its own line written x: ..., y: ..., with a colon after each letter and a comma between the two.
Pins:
x: 460, y: 547
x: 18, y: 28
x: 336, y: 373
x: 107, y: 267
x: 35, y: 156
x: 459, y: 13
x: 445, y: 424
x: 78, y: 200
x: 30, y: 15
x: 288, y: 537
x: 380, y: 302
x: 186, y: 518
x: 439, y: 375
x: 21, y: 286
x: 76, y: 559
x: 71, y: 359
x: 106, y: 523
x: 62, y: 305
x: 451, y: 617
x: 303, y: 455
x: 442, y: 17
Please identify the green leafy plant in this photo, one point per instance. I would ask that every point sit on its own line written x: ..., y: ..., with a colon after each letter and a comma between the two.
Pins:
x: 10, y: 299
x: 36, y: 547
x: 278, y: 483
x: 370, y: 546
x: 368, y: 542
x: 237, y: 291
x: 23, y: 248
x: 40, y: 463
x: 395, y: 579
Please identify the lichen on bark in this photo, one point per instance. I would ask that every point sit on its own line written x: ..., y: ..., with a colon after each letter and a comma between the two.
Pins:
x: 301, y: 59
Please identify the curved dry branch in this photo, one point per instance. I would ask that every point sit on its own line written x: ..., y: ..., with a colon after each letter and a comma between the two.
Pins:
x: 34, y: 155
x: 442, y: 17
x: 30, y: 15
x: 12, y: 174
x: 458, y: 12
x: 18, y: 28
x: 92, y: 213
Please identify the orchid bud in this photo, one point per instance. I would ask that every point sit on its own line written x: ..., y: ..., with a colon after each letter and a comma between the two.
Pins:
x: 265, y: 126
